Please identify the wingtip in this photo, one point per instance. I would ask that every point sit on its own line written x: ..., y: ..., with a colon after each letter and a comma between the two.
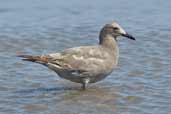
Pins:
x: 27, y: 57
x: 38, y: 59
x: 24, y: 56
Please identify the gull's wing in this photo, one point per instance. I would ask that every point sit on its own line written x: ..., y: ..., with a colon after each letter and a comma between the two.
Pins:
x: 80, y: 59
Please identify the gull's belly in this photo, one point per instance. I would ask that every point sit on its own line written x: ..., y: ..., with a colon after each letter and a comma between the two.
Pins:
x: 78, y: 77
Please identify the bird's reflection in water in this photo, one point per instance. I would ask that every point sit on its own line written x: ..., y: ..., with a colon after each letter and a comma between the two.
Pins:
x: 69, y: 92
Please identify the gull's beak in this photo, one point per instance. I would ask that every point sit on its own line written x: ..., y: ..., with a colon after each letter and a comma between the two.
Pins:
x: 128, y: 36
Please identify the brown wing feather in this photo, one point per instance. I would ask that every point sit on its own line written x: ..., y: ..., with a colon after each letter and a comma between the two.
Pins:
x: 37, y: 59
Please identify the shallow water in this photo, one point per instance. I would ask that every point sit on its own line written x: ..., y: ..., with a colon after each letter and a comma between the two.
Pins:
x: 140, y: 85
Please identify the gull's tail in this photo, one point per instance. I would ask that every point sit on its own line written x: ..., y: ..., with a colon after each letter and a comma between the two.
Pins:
x: 38, y: 59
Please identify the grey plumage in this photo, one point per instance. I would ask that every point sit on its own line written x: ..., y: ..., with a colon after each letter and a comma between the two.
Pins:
x: 85, y: 64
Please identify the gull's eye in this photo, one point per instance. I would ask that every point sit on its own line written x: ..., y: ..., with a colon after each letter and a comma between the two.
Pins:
x: 115, y: 28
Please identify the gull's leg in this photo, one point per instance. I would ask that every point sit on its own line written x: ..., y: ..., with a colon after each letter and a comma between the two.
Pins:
x: 83, y: 86
x: 85, y: 83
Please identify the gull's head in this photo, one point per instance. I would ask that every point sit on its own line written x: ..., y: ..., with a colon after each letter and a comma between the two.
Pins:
x: 114, y: 30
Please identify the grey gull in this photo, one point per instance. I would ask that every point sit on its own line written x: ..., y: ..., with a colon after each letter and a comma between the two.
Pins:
x: 86, y: 64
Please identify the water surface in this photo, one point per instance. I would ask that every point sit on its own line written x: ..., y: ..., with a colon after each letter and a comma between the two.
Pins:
x: 140, y: 84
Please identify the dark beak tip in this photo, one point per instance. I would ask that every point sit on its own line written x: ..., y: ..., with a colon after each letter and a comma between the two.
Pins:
x: 133, y: 38
x: 129, y: 36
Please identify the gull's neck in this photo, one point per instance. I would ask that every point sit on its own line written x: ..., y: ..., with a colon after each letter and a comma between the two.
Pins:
x: 109, y: 42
